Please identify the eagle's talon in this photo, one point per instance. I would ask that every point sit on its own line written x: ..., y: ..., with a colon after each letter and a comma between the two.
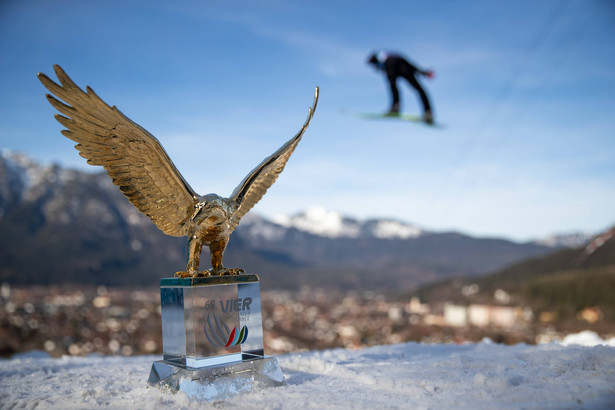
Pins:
x: 237, y: 271
x: 227, y: 271
x: 201, y: 274
x: 195, y: 274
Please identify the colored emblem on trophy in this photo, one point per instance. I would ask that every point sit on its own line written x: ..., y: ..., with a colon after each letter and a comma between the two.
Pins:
x: 206, y: 354
x: 217, y: 333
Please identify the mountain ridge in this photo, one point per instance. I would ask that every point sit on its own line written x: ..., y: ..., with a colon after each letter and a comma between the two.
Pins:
x: 82, y: 230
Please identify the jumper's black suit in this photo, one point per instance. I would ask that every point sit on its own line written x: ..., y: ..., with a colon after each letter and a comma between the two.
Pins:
x: 396, y: 66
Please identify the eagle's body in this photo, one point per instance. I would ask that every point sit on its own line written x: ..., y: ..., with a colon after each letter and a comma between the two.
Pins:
x: 139, y: 166
x: 210, y: 226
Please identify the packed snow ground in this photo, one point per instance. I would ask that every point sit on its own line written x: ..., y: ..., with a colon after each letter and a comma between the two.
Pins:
x: 410, y: 375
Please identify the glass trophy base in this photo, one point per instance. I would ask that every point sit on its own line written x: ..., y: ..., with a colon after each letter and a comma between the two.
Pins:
x: 212, y: 338
x: 217, y: 382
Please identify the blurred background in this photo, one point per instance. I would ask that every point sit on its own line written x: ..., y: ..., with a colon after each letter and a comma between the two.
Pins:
x: 498, y: 223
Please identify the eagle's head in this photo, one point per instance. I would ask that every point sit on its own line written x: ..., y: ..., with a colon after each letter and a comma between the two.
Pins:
x: 211, y: 211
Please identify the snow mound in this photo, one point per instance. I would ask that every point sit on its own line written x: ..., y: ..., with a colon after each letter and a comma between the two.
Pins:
x: 586, y: 338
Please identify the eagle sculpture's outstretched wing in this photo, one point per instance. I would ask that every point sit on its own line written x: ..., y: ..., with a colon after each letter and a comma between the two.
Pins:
x: 133, y: 158
x: 256, y: 184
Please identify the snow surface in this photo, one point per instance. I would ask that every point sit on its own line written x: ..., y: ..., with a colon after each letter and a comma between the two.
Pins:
x: 410, y: 375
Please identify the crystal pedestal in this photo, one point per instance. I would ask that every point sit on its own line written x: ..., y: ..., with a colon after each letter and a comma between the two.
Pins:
x: 212, y: 338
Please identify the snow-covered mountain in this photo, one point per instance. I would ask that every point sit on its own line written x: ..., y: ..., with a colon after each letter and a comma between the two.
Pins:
x: 23, y: 180
x: 59, y: 225
x: 331, y: 224
x: 571, y: 240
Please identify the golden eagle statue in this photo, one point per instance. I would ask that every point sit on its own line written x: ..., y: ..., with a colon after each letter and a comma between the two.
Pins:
x: 140, y: 167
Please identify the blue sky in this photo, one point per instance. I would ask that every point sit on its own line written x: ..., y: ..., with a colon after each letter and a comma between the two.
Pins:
x: 525, y: 91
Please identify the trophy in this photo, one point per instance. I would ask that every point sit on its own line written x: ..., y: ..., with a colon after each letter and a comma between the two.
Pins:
x: 211, y: 320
